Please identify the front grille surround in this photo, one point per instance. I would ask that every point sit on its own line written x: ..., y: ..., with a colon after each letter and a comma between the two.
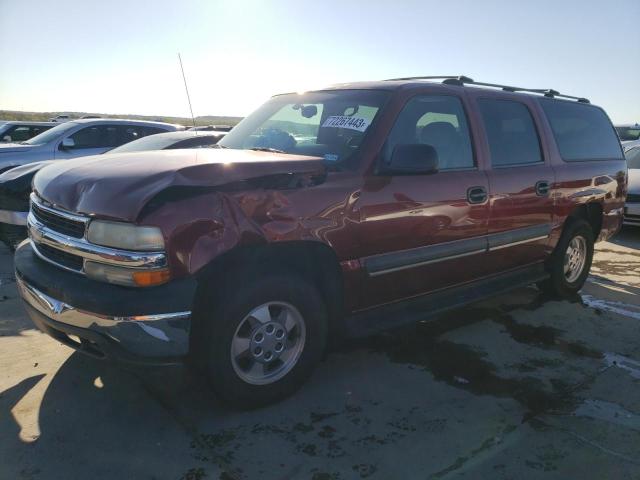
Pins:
x: 59, y: 221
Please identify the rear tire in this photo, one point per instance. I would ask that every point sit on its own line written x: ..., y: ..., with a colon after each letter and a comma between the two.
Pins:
x: 570, y: 262
x: 260, y: 337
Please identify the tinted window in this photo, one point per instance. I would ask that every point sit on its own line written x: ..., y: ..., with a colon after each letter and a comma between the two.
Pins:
x: 150, y: 142
x: 436, y: 120
x: 629, y: 133
x: 144, y: 131
x: 99, y: 136
x: 512, y: 135
x: 19, y: 133
x: 633, y: 157
x: 582, y: 132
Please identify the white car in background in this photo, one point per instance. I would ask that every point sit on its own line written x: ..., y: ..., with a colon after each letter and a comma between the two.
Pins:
x: 632, y: 207
x: 60, y: 119
x: 78, y: 138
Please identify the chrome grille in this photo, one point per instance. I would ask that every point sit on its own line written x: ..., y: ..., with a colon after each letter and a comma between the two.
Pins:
x: 58, y: 222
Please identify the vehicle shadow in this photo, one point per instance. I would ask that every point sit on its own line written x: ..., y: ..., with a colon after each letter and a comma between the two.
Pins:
x: 103, y: 421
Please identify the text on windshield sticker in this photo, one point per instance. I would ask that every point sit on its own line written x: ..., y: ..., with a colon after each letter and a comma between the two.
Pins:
x: 343, y: 121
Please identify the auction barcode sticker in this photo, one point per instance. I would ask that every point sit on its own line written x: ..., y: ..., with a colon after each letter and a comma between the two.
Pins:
x: 343, y: 121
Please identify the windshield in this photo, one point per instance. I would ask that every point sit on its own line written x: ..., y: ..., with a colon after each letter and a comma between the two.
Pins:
x: 150, y: 142
x: 633, y: 157
x: 51, y: 134
x: 329, y: 124
x: 628, y: 133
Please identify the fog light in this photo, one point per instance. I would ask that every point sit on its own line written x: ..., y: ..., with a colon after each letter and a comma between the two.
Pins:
x: 125, y: 276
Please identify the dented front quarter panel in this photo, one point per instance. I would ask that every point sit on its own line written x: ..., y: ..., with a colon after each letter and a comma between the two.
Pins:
x: 200, y: 228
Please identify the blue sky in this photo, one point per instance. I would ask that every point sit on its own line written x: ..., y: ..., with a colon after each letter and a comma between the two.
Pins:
x: 121, y: 56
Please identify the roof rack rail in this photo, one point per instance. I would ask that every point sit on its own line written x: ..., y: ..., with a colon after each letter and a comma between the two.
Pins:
x: 461, y: 80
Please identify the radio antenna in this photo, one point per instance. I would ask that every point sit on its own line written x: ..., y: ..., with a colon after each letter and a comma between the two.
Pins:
x: 193, y: 119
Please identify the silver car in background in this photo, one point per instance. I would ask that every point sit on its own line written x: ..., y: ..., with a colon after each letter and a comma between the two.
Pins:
x: 632, y: 207
x: 78, y: 138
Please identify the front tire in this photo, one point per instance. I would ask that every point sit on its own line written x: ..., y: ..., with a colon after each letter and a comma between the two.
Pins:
x: 262, y: 336
x: 571, y: 261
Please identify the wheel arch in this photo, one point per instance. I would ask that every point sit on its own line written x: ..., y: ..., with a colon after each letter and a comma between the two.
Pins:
x: 311, y: 259
x: 591, y: 212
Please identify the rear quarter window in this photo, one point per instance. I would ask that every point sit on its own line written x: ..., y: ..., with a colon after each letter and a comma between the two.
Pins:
x: 582, y: 132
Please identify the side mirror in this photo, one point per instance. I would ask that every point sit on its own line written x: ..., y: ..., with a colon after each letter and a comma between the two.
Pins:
x: 412, y: 159
x: 67, y: 143
x: 7, y: 138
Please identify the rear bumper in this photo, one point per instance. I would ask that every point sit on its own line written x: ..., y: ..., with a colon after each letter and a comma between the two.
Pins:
x: 632, y: 214
x: 13, y: 217
x: 148, y: 326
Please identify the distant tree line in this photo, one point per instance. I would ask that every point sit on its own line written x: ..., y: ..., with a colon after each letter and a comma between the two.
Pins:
x: 44, y: 116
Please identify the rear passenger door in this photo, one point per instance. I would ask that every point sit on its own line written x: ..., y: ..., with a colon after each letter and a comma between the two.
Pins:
x: 421, y: 232
x: 520, y: 183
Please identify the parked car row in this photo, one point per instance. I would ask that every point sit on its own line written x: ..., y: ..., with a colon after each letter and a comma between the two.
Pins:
x: 78, y: 138
x: 632, y: 208
x: 335, y: 212
x: 15, y: 184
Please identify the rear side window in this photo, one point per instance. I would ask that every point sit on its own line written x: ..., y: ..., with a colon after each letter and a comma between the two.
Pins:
x: 511, y: 133
x: 582, y: 132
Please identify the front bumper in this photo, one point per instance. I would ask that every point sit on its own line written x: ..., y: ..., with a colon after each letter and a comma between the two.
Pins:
x: 632, y: 214
x: 135, y: 325
x: 13, y: 217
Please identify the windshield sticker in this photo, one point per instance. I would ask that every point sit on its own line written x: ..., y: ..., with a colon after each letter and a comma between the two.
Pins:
x: 343, y: 121
x: 331, y: 157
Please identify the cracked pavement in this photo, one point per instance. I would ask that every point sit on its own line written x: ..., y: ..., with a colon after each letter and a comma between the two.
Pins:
x: 519, y: 386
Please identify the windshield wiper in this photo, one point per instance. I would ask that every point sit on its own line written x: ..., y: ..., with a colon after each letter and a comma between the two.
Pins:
x: 267, y: 149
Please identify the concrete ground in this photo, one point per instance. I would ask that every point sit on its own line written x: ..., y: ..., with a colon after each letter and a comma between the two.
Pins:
x: 512, y: 388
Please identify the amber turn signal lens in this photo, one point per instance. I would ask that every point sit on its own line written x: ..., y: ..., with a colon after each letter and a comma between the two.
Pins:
x: 150, y: 278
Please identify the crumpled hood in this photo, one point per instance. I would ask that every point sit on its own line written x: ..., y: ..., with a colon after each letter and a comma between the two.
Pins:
x: 119, y: 185
x: 634, y: 181
x: 14, y: 148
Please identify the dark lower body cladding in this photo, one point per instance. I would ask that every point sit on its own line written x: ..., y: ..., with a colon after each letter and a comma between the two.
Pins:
x: 144, y: 325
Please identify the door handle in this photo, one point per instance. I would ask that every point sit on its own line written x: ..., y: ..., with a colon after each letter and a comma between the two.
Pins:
x: 543, y: 187
x: 476, y: 195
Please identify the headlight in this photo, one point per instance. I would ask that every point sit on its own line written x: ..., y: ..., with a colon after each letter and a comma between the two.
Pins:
x: 125, y: 236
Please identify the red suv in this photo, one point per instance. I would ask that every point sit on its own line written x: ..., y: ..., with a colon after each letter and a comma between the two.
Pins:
x: 329, y: 213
